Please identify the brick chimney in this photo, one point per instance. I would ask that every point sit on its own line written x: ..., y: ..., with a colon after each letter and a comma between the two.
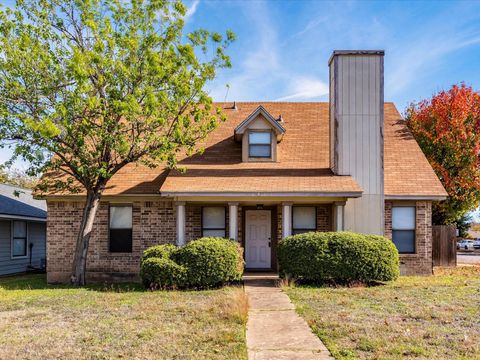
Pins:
x: 356, y: 133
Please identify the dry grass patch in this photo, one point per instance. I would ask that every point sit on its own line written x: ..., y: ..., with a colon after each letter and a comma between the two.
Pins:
x: 421, y: 317
x: 38, y: 321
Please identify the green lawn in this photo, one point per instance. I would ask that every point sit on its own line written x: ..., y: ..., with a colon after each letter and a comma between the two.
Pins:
x: 423, y: 317
x: 39, y: 321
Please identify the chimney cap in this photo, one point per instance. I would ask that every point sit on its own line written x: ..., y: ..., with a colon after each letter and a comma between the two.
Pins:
x: 355, y: 52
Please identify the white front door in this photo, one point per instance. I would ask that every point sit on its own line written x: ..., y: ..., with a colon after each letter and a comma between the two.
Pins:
x: 258, y: 228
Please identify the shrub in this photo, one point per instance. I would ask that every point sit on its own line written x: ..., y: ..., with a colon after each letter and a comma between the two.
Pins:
x: 210, y: 261
x: 159, y: 251
x: 340, y: 257
x: 202, y: 263
x: 162, y: 273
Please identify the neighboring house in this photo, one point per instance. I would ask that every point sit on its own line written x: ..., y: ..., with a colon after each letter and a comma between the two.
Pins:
x: 22, y: 231
x: 272, y: 169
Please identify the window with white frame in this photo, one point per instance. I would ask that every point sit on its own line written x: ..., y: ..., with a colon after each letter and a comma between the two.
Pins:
x: 213, y: 221
x: 260, y: 144
x: 19, y: 239
x: 121, y: 228
x: 403, y: 228
x: 304, y: 219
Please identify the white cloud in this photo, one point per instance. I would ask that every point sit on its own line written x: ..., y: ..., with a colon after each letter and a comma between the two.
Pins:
x: 192, y: 10
x: 259, y: 69
x: 303, y: 88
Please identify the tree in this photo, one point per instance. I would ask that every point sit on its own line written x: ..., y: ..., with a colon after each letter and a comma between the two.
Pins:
x: 17, y: 178
x: 447, y: 128
x: 463, y: 224
x: 89, y: 86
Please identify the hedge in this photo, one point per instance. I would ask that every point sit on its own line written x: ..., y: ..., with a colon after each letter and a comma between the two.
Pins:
x: 339, y: 257
x: 202, y: 263
x: 162, y: 273
x: 159, y: 251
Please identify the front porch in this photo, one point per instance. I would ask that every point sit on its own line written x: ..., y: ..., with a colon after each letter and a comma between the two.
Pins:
x: 257, y: 225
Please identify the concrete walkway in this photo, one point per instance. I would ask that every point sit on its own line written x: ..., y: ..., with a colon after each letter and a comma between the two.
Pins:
x: 274, y: 330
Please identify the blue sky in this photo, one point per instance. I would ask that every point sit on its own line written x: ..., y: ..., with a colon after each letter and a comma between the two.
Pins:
x: 282, y: 47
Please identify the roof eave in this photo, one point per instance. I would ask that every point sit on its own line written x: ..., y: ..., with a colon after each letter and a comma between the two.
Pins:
x: 415, y: 197
x: 240, y: 129
x: 349, y: 194
x: 22, y: 217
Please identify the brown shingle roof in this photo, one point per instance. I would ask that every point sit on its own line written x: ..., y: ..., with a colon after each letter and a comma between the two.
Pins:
x: 303, y: 159
x: 407, y: 171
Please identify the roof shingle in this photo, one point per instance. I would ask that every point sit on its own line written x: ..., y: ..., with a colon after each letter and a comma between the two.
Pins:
x: 303, y: 159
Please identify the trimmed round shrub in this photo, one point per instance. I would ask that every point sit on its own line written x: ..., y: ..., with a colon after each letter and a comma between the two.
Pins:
x: 162, y: 273
x: 202, y: 263
x: 210, y: 262
x: 340, y: 257
x: 159, y: 251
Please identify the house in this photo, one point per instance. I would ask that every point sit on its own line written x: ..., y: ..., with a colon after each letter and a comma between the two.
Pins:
x: 22, y: 231
x: 272, y: 169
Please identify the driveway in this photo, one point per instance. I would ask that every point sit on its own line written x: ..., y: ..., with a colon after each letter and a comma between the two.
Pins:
x: 468, y: 258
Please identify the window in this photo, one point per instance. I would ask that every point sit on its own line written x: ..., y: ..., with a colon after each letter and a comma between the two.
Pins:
x: 19, y: 239
x: 260, y: 144
x: 403, y: 229
x: 304, y: 219
x: 120, y: 228
x: 213, y: 221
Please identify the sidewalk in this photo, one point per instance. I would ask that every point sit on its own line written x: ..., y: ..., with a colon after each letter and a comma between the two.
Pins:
x: 274, y: 330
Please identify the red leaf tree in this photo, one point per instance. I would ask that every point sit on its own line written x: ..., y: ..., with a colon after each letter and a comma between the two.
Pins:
x: 447, y: 128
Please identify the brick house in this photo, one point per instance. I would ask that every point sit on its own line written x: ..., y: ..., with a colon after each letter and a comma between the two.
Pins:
x: 272, y: 169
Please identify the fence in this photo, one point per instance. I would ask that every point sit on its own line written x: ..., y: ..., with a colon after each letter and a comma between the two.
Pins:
x: 444, y: 247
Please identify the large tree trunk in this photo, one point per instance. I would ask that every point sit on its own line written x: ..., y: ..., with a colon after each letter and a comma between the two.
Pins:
x: 89, y: 213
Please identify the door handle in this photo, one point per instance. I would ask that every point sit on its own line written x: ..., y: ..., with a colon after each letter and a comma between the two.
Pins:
x: 269, y: 244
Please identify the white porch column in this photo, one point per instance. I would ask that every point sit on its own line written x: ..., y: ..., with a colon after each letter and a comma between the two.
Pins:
x: 181, y: 217
x: 338, y: 216
x: 286, y: 220
x: 233, y: 220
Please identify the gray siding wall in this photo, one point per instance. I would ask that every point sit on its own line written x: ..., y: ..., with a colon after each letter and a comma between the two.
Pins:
x: 36, y: 236
x: 357, y: 136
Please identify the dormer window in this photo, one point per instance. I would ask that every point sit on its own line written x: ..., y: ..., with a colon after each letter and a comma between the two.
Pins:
x: 259, y: 134
x: 260, y: 144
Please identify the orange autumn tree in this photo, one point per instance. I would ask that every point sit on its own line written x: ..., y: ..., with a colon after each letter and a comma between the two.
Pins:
x: 447, y: 128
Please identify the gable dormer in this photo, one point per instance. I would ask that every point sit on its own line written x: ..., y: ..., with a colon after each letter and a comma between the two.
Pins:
x: 259, y: 133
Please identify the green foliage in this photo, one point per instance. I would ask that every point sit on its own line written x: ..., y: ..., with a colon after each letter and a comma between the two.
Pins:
x: 340, y: 257
x: 211, y: 261
x: 463, y: 225
x: 162, y: 273
x: 202, y: 263
x: 17, y: 178
x: 159, y: 251
x: 89, y: 86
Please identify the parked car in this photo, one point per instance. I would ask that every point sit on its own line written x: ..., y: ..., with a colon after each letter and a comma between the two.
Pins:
x: 476, y: 244
x: 465, y: 245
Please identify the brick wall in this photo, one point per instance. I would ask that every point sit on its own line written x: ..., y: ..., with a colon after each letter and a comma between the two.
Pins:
x: 153, y: 223
x: 419, y: 263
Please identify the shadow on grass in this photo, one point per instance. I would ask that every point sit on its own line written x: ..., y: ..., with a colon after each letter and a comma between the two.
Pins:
x: 39, y: 282
x: 334, y: 284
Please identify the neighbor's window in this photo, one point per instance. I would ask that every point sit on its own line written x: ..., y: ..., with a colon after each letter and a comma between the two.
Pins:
x: 121, y: 228
x: 304, y: 219
x: 19, y: 239
x: 213, y: 221
x: 260, y: 144
x: 403, y: 229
